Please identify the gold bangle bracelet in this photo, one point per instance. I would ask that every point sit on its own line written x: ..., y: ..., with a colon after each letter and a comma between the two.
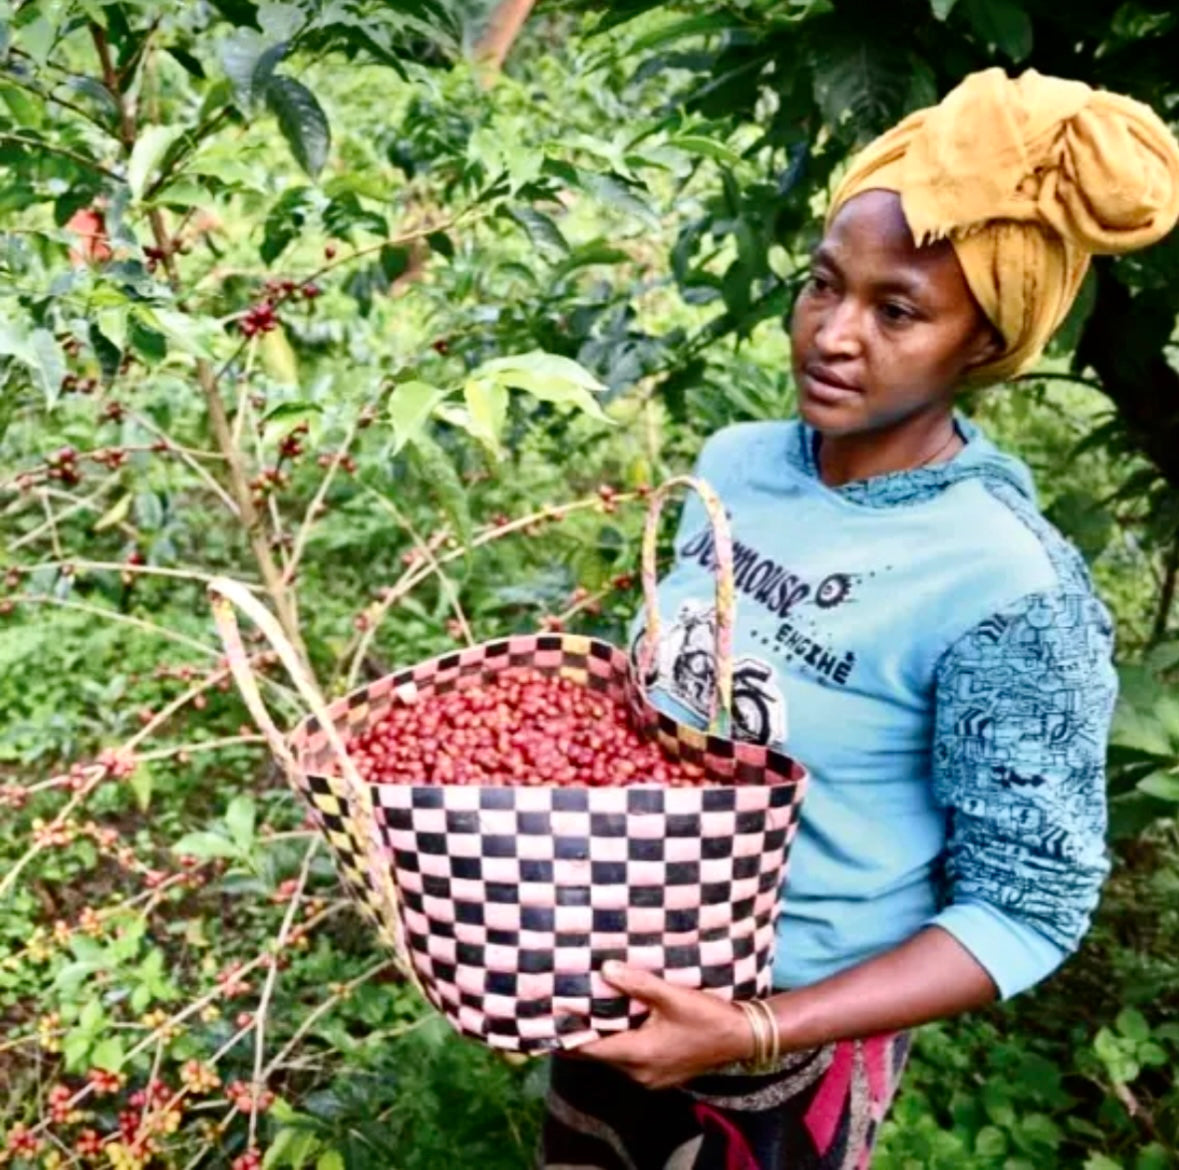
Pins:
x: 773, y: 1033
x: 762, y: 1034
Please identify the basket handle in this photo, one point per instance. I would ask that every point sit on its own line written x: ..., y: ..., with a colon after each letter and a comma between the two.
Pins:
x: 720, y: 710
x: 226, y: 594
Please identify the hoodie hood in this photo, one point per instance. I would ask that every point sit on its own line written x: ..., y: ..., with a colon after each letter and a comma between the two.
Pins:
x: 979, y: 459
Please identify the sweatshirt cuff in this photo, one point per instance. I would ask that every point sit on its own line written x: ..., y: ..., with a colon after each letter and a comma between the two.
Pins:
x: 1015, y: 955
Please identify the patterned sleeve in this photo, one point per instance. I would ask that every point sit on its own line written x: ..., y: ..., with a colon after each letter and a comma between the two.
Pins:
x: 1023, y: 706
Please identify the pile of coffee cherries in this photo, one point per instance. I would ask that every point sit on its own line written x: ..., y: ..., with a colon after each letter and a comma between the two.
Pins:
x: 521, y: 729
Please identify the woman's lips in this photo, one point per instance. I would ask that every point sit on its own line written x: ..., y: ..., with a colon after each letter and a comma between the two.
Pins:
x: 827, y: 390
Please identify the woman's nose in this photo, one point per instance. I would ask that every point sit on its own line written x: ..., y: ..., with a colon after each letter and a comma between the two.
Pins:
x: 839, y: 332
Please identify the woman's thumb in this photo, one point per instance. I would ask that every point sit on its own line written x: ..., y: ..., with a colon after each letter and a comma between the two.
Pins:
x: 635, y: 982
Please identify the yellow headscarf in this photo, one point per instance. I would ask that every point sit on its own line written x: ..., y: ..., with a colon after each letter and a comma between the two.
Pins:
x: 1027, y: 177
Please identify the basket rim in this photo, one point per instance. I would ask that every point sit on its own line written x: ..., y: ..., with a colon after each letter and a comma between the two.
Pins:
x: 787, y: 768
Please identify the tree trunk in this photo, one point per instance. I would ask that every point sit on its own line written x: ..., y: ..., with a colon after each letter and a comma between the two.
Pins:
x: 503, y: 26
x: 1124, y: 341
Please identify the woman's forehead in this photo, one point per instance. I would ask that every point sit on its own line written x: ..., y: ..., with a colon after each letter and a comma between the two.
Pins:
x: 869, y: 234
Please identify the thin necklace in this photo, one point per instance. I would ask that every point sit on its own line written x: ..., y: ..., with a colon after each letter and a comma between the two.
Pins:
x: 818, y: 456
x: 940, y: 451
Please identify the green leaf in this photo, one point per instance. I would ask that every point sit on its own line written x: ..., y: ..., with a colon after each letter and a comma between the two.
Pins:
x: 706, y: 147
x: 276, y: 1151
x: 108, y: 1054
x: 1132, y: 1024
x: 149, y: 344
x: 147, y: 154
x: 942, y: 8
x: 188, y: 334
x: 487, y: 405
x: 284, y: 221
x: 1001, y: 24
x: 239, y: 819
x: 539, y: 362
x: 441, y: 243
x: 1161, y: 785
x: 330, y: 1160
x: 613, y: 191
x: 141, y: 784
x: 286, y: 415
x: 410, y: 406
x: 205, y: 845
x: 436, y: 470
x: 1039, y: 1130
x: 990, y: 1142
x: 92, y: 1016
x: 76, y: 1050
x: 861, y: 81
x: 302, y: 121
x: 678, y: 29
x: 542, y: 231
x: 1101, y: 1162
x: 280, y: 21
x: 239, y: 53
x: 1152, y: 1055
x: 39, y: 352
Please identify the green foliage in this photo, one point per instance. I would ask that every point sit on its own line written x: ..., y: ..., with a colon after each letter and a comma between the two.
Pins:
x: 324, y: 272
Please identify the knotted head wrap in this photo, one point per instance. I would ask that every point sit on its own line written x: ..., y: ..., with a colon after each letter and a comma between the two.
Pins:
x: 1027, y: 177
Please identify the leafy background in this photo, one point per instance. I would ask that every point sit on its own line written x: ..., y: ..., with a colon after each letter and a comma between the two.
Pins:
x: 389, y: 310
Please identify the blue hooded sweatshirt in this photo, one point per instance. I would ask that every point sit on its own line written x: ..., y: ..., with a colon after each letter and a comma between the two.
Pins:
x: 930, y: 647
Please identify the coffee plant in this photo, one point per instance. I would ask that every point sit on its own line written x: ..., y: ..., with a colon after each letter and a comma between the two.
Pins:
x: 314, y: 297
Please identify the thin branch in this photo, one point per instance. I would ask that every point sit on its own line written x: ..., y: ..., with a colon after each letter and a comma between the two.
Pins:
x: 309, y: 1021
x: 51, y: 148
x: 205, y: 477
x: 415, y: 574
x: 197, y: 1005
x: 205, y: 745
x: 51, y: 524
x: 115, y: 616
x: 312, y: 509
x: 427, y: 553
x: 268, y: 988
x: 49, y: 96
x: 139, y: 570
x: 82, y: 504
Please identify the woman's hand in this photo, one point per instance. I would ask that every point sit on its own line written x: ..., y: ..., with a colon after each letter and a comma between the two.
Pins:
x: 688, y: 1032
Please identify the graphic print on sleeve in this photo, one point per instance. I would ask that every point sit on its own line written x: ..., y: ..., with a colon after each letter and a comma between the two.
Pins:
x: 1023, y: 704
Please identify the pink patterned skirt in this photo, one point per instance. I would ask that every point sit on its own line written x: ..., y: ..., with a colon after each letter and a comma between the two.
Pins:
x: 821, y: 1110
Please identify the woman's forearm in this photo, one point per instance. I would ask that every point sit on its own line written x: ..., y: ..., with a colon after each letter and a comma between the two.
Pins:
x: 927, y: 978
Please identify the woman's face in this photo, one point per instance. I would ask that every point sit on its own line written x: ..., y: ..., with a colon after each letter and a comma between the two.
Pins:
x: 883, y: 330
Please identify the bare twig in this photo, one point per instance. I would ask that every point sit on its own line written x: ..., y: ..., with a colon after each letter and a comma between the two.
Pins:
x: 202, y: 474
x: 51, y: 148
x: 115, y: 616
x: 427, y: 553
x: 309, y: 517
x: 417, y: 573
x: 268, y: 988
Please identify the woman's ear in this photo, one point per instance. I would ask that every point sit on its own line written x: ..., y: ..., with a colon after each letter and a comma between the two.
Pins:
x: 986, y: 345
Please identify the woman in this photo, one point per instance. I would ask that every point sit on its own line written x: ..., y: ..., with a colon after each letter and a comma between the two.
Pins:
x: 935, y: 643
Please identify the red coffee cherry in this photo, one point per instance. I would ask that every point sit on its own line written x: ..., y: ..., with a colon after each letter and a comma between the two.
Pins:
x: 521, y: 728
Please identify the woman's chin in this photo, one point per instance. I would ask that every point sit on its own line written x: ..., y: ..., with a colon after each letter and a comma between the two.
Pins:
x: 829, y: 418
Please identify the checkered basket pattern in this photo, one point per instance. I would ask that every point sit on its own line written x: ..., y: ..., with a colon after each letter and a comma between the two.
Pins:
x: 504, y: 902
x: 511, y: 899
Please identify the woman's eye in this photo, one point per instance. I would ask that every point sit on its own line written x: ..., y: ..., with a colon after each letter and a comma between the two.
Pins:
x: 816, y: 282
x: 896, y: 314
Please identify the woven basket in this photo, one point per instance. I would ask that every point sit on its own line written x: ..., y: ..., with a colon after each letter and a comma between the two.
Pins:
x: 503, y: 902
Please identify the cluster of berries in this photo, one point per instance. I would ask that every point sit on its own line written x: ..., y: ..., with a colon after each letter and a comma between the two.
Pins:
x: 523, y: 729
x: 259, y: 318
x: 63, y: 466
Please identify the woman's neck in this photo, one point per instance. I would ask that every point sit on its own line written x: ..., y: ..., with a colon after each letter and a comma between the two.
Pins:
x: 845, y: 458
